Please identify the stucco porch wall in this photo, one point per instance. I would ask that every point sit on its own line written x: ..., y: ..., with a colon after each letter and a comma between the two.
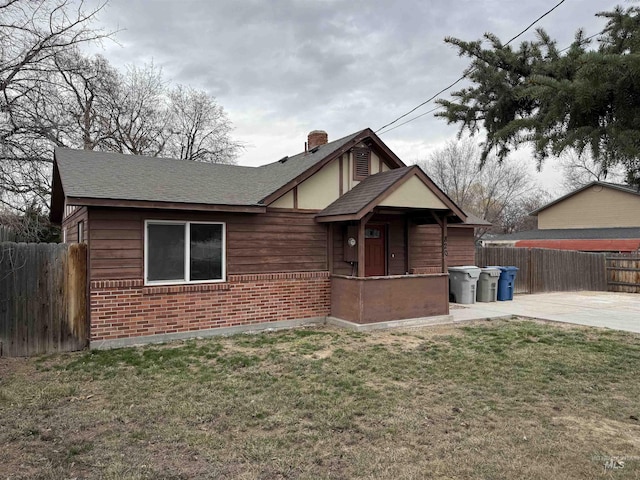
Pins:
x: 382, y: 299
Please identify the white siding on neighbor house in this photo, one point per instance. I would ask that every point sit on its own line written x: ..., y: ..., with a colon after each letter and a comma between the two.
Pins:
x: 595, y: 207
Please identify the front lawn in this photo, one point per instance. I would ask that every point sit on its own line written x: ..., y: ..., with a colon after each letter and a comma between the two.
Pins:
x: 513, y: 399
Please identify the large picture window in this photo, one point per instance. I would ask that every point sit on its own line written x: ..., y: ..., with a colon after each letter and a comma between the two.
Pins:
x: 184, y: 252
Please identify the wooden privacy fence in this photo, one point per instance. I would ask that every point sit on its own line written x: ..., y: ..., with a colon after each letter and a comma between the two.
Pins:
x: 545, y: 270
x: 43, y: 298
x: 7, y: 235
x: 623, y: 272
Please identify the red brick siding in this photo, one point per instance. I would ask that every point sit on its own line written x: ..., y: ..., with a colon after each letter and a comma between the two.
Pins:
x: 126, y: 308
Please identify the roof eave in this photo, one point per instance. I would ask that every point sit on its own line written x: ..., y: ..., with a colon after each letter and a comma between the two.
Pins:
x: 204, y: 207
x: 581, y: 189
x: 472, y: 224
x: 56, y: 212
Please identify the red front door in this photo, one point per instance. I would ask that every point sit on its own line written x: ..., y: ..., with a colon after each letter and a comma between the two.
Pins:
x: 374, y: 251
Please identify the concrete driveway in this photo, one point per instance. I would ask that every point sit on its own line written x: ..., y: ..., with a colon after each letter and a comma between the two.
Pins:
x: 619, y: 311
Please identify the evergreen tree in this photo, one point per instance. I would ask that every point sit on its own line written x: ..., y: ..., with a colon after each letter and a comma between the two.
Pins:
x: 579, y: 98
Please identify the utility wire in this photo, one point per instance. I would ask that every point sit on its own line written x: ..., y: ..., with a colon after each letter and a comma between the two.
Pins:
x: 470, y: 71
x: 411, y: 119
x: 535, y: 21
x: 584, y: 40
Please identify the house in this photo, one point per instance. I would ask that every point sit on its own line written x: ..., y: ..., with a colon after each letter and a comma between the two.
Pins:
x: 599, y: 217
x: 343, y: 230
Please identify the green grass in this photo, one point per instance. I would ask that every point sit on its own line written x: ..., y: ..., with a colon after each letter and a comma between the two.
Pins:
x: 490, y: 400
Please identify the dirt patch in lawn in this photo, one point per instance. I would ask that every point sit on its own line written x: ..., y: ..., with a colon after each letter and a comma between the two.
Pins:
x: 595, y: 430
x: 505, y: 399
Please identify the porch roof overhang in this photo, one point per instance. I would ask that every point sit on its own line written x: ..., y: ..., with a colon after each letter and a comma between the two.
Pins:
x: 406, y: 189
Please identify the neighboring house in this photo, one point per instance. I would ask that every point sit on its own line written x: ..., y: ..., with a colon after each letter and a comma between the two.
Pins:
x: 178, y: 248
x: 599, y: 217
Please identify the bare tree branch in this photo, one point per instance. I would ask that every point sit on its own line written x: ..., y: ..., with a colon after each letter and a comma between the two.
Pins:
x: 488, y: 191
x: 580, y: 169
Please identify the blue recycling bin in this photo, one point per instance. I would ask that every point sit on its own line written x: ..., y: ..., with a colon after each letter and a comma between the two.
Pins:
x: 506, y: 282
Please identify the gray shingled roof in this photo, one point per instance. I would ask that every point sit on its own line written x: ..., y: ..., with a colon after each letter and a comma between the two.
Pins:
x: 474, y: 220
x: 367, y: 190
x: 623, y: 187
x: 106, y: 175
x: 571, y: 234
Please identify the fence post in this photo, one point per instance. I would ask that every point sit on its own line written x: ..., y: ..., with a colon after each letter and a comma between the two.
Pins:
x: 530, y: 288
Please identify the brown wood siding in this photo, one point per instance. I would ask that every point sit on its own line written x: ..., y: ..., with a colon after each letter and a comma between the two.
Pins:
x: 396, y: 260
x: 71, y: 224
x: 397, y: 264
x: 425, y: 245
x: 261, y: 243
x: 461, y: 246
x: 340, y: 267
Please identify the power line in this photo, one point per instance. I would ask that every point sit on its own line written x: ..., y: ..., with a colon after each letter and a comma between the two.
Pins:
x: 412, y: 119
x: 535, y: 21
x: 470, y: 71
x: 584, y: 40
x: 424, y: 103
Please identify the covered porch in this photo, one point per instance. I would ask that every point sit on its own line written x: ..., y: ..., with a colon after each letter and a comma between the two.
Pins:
x: 388, y: 248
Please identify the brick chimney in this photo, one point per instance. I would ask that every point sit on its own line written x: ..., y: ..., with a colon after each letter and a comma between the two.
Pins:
x: 317, y: 138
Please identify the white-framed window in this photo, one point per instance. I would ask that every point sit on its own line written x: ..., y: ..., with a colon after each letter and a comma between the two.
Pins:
x: 81, y: 231
x: 184, y: 252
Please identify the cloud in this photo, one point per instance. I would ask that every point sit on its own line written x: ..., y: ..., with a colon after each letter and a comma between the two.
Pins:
x: 284, y: 67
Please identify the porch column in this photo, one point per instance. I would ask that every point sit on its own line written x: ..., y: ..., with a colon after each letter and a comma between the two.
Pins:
x: 444, y: 244
x: 361, y: 256
x: 330, y: 248
x: 361, y: 226
x: 442, y: 222
x: 407, y: 244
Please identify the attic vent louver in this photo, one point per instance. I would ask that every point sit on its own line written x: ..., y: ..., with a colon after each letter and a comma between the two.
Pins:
x: 361, y: 161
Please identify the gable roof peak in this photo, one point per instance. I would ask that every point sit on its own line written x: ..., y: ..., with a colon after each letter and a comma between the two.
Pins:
x: 616, y: 186
x: 368, y: 193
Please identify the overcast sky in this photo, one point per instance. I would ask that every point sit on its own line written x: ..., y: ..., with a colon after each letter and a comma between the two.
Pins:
x: 281, y: 68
